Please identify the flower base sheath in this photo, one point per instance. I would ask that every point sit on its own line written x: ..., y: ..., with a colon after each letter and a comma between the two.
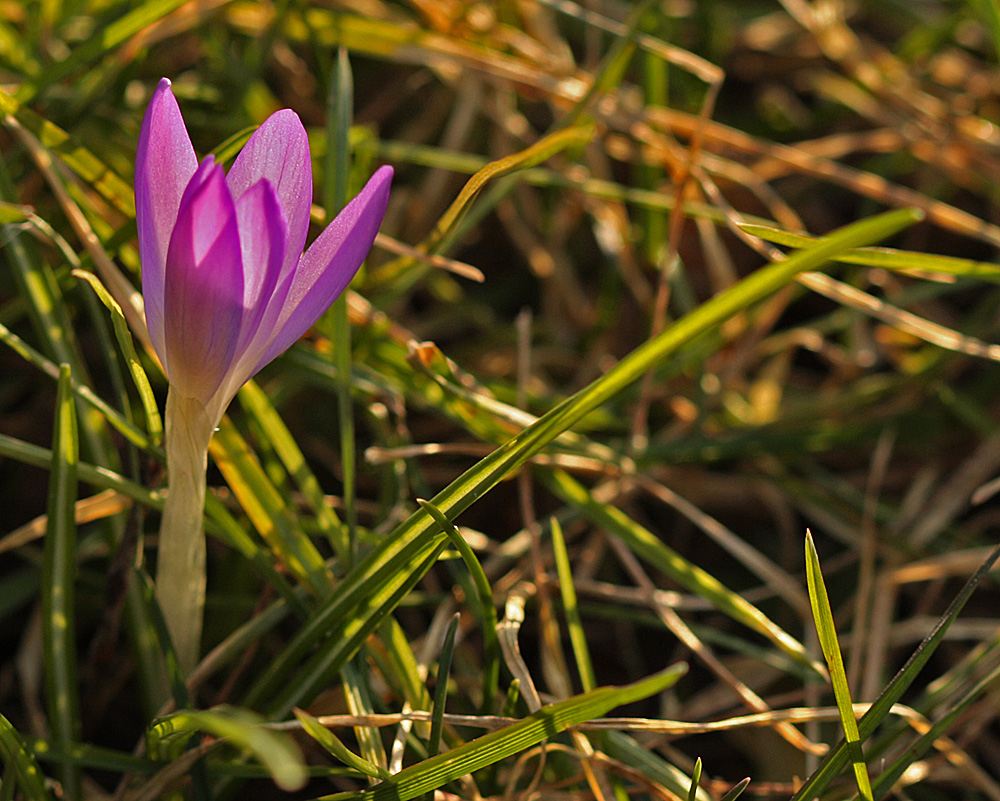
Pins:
x: 227, y: 288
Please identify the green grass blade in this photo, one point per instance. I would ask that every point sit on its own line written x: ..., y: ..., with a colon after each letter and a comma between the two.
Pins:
x: 292, y: 678
x: 275, y: 750
x: 887, y: 258
x: 577, y: 636
x: 154, y: 424
x: 441, y: 688
x: 58, y: 579
x: 825, y: 628
x: 548, y: 721
x: 332, y: 743
x: 99, y: 477
x: 105, y: 39
x: 487, y: 610
x: 695, y: 780
x: 82, y: 161
x: 20, y: 763
x: 338, y: 168
x: 837, y: 759
x: 885, y: 781
x: 737, y: 790
x: 256, y: 403
x: 648, y: 546
x: 266, y: 508
x: 85, y: 393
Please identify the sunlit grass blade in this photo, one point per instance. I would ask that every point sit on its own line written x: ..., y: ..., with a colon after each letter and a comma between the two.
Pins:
x: 490, y: 748
x: 81, y: 160
x: 695, y: 780
x: 49, y: 313
x: 484, y: 593
x: 534, y: 154
x: 441, y: 688
x: 85, y: 393
x: 827, y: 631
x: 104, y: 39
x: 58, y: 586
x: 154, y: 424
x: 20, y: 764
x: 837, y: 759
x: 267, y: 509
x: 166, y: 737
x: 256, y: 403
x: 574, y: 624
x: 737, y: 790
x: 887, y: 258
x: 332, y: 743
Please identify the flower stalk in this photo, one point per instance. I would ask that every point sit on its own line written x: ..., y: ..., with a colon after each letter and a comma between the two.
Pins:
x: 180, y: 566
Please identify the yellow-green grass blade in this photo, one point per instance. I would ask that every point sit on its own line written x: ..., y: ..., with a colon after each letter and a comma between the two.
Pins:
x: 58, y: 586
x: 401, y: 663
x: 648, y: 546
x: 886, y: 258
x: 332, y: 743
x: 104, y: 39
x: 154, y: 424
x: 838, y: 757
x: 410, y: 544
x: 166, y: 737
x: 695, y: 780
x: 51, y: 319
x: 270, y: 514
x: 530, y: 156
x: 548, y: 721
x: 827, y: 631
x: 256, y: 403
x: 21, y: 765
x: 85, y: 393
x: 83, y: 162
x: 487, y: 610
x: 737, y: 790
x: 574, y: 624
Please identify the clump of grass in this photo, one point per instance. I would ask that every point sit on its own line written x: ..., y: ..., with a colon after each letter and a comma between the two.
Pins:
x: 660, y: 287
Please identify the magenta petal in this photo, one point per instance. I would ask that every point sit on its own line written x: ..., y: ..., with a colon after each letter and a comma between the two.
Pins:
x: 203, y: 298
x: 279, y: 152
x: 263, y: 239
x: 164, y: 164
x: 328, y: 266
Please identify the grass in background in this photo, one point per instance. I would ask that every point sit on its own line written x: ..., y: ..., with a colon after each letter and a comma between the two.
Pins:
x: 624, y: 327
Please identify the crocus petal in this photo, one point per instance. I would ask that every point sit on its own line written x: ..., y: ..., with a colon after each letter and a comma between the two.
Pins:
x: 263, y: 240
x: 164, y: 164
x: 328, y: 266
x: 203, y: 297
x: 279, y: 152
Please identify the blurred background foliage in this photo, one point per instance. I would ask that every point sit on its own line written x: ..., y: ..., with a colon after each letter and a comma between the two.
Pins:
x: 689, y: 143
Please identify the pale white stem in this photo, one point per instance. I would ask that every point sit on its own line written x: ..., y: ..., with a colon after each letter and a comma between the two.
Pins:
x: 180, y: 567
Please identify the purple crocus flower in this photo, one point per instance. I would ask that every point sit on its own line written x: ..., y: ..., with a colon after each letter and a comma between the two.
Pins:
x: 227, y: 288
x: 226, y: 284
